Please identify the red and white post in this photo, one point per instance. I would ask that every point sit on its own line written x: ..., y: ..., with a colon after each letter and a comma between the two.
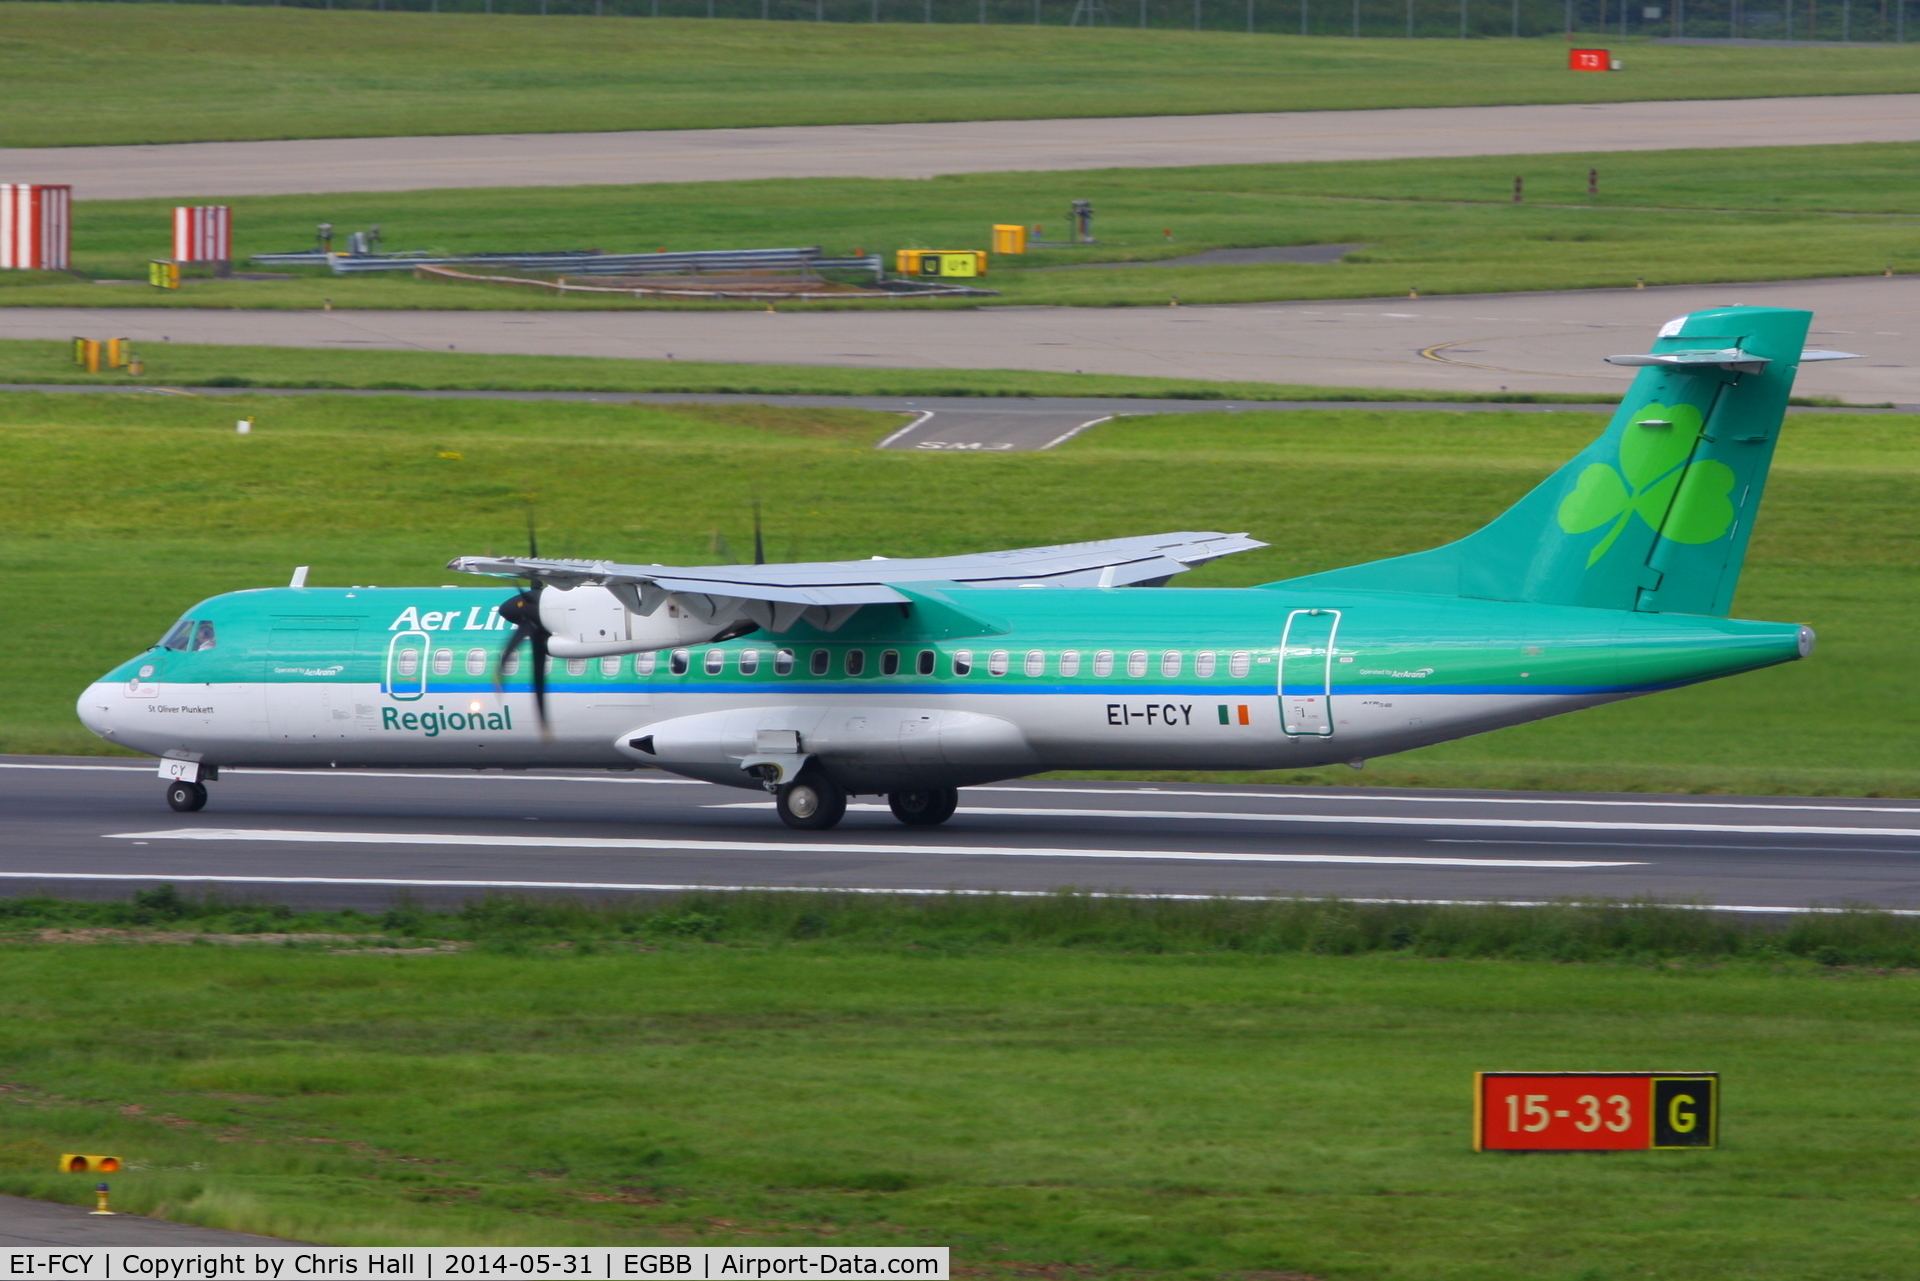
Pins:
x: 36, y: 226
x: 203, y: 233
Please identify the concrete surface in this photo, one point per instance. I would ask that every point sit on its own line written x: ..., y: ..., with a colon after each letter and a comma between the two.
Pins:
x: 32, y: 1223
x: 207, y: 170
x: 1482, y: 343
x: 348, y: 838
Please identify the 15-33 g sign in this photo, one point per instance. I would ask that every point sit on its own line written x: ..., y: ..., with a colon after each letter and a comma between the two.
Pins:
x: 1594, y: 1111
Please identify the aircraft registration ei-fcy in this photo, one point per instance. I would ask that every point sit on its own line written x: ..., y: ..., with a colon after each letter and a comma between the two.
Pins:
x: 912, y: 678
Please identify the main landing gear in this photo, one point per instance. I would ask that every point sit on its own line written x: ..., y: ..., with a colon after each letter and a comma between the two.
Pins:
x: 187, y: 797
x: 926, y: 808
x: 813, y: 803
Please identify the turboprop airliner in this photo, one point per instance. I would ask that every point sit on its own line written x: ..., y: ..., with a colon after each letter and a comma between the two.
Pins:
x: 912, y: 678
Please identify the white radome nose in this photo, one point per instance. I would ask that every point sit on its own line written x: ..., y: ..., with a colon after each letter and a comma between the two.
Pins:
x: 95, y: 709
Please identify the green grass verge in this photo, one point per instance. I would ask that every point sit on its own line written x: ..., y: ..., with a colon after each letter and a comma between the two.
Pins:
x: 1062, y: 1086
x: 153, y: 503
x: 87, y: 74
x: 179, y: 365
x: 1441, y: 226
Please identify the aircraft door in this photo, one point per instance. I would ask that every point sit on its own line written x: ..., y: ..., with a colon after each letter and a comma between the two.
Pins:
x: 1306, y: 672
x: 406, y: 670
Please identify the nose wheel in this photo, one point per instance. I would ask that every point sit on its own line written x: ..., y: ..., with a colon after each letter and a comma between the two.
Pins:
x: 812, y: 802
x: 927, y: 808
x: 187, y: 797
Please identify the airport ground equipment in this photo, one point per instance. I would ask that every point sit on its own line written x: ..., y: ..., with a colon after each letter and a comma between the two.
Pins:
x: 1009, y: 238
x: 1595, y: 1111
x: 36, y: 226
x: 204, y: 234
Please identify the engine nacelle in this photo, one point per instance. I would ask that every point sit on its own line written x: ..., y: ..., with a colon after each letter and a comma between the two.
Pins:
x: 590, y: 622
x: 865, y: 749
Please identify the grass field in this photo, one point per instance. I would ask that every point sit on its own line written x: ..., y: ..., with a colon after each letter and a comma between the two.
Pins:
x: 1055, y: 1088
x: 1442, y: 226
x: 88, y: 74
x: 181, y: 365
x: 153, y: 503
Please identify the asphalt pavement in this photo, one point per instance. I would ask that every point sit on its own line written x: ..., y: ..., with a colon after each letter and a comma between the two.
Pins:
x: 215, y: 170
x: 357, y: 838
x: 1477, y: 344
x: 37, y: 1223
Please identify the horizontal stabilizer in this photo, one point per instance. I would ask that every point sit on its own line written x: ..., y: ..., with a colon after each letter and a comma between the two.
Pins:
x: 1728, y: 358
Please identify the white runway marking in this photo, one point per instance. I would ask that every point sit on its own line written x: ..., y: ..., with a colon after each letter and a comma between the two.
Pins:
x: 806, y: 847
x: 1400, y: 820
x: 1408, y: 798
x: 667, y: 887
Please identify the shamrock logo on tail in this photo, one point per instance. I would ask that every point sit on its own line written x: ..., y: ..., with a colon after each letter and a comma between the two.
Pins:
x: 1652, y: 467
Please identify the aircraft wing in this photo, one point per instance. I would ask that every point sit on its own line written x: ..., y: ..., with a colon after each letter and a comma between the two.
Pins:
x: 1111, y: 562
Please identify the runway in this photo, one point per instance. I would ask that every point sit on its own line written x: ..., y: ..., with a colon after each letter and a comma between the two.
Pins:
x: 99, y: 829
x: 219, y: 170
x: 1477, y: 343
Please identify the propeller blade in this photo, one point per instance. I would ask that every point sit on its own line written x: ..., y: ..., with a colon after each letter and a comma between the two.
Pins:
x: 523, y: 611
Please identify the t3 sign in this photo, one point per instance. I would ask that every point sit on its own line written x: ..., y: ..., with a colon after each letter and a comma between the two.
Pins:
x: 1595, y: 1111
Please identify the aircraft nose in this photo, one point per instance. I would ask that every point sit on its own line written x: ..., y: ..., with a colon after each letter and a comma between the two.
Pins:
x: 95, y: 709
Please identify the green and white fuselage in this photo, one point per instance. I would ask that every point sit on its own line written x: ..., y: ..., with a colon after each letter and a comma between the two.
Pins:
x: 1610, y: 580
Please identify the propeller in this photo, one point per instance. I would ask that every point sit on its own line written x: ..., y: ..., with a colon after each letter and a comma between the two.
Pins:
x: 522, y: 610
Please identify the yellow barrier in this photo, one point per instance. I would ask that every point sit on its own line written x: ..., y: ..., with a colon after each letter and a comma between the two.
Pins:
x: 163, y: 273
x: 116, y: 353
x: 1009, y: 238
x: 940, y: 262
x: 86, y: 354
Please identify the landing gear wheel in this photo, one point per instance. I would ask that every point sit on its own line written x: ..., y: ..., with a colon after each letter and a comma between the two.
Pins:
x: 813, y: 802
x: 927, y: 808
x: 187, y: 797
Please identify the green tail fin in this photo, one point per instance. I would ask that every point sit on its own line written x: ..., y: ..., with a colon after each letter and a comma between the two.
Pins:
x: 1655, y: 514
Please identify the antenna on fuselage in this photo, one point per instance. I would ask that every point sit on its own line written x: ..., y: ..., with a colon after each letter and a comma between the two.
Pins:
x: 759, y: 543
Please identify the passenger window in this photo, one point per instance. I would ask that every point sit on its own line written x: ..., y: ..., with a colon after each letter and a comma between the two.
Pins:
x: 407, y: 664
x: 716, y: 661
x: 203, y: 636
x: 997, y: 663
x: 1036, y: 662
x: 575, y: 666
x: 643, y: 664
x: 508, y: 665
x: 856, y: 661
x: 1170, y: 663
x: 180, y: 636
x: 749, y: 661
x: 819, y: 661
x: 783, y: 662
x: 1069, y: 662
x: 962, y: 661
x: 1203, y: 664
x: 1103, y: 663
x: 476, y: 662
x: 1240, y: 664
x: 677, y: 662
x: 610, y: 666
x: 442, y: 662
x: 924, y: 664
x: 890, y: 662
x: 1137, y: 663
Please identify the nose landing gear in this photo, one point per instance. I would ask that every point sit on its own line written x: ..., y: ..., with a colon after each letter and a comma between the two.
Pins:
x: 187, y: 797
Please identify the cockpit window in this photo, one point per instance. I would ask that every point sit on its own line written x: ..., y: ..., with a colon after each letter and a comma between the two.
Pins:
x: 181, y: 637
x: 203, y: 635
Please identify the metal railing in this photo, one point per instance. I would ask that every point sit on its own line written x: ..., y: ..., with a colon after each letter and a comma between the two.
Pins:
x: 1850, y: 21
x: 693, y: 263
